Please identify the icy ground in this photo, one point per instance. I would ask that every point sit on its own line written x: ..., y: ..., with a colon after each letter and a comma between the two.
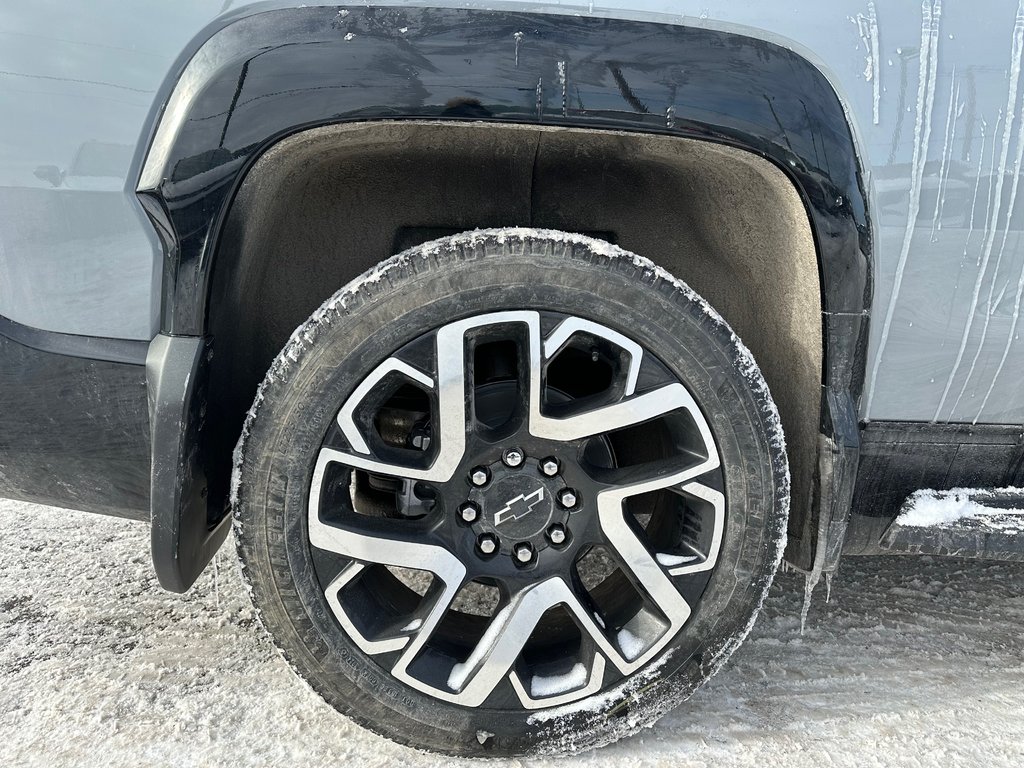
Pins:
x: 916, y: 661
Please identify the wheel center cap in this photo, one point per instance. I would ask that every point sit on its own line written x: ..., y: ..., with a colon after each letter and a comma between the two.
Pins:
x: 519, y: 507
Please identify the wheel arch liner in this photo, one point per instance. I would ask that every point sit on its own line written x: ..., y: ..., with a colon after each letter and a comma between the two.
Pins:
x: 263, y: 77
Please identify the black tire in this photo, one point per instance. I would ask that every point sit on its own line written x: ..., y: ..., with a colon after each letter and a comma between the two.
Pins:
x: 401, y: 300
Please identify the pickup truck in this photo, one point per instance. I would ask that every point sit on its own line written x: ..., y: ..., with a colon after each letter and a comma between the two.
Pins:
x: 518, y: 343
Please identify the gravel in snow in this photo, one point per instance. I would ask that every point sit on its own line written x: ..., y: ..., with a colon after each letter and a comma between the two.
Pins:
x: 914, y: 662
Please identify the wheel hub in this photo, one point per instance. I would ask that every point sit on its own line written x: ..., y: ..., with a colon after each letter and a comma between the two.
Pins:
x: 519, y: 505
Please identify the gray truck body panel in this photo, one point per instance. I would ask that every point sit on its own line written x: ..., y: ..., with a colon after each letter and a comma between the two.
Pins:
x: 933, y: 93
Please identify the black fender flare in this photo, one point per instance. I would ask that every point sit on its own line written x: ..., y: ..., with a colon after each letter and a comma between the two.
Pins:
x: 259, y: 78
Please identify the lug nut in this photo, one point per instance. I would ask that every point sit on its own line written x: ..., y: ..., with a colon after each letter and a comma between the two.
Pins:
x: 549, y: 466
x: 567, y: 498
x: 513, y: 457
x: 469, y: 511
x: 479, y: 476
x: 487, y: 543
x: 524, y: 553
x: 556, y: 534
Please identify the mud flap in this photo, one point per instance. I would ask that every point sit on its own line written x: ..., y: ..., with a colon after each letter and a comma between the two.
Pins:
x: 185, y: 531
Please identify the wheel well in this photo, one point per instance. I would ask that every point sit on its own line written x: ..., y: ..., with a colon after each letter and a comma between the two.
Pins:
x: 324, y: 205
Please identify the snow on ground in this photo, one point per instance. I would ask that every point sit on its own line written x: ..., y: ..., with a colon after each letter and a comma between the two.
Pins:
x: 927, y: 508
x: 916, y: 661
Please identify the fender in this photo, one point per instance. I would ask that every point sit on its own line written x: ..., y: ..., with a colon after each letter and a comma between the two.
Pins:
x: 266, y: 76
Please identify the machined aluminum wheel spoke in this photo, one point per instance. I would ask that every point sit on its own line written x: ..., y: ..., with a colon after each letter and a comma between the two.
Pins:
x: 346, y: 416
x: 372, y: 646
x: 631, y: 410
x: 452, y: 397
x: 369, y: 548
x: 655, y: 474
x: 565, y: 330
x: 647, y: 572
x: 717, y: 502
x: 626, y: 413
x: 471, y: 682
x: 451, y: 430
x: 561, y: 689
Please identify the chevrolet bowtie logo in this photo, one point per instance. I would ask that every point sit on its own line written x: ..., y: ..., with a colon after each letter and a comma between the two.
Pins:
x: 519, y: 507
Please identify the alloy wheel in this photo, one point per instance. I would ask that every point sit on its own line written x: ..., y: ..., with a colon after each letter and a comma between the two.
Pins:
x: 516, y: 510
